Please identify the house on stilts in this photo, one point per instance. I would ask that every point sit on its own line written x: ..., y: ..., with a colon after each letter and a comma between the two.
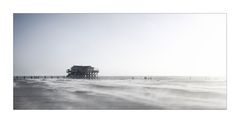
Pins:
x: 82, y: 72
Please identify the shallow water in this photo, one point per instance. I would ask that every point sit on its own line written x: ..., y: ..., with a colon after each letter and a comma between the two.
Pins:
x: 120, y: 94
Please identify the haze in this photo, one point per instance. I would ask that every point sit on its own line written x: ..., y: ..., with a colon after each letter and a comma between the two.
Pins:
x: 121, y: 44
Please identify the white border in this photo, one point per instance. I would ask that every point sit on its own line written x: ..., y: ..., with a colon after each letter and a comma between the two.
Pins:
x: 8, y: 7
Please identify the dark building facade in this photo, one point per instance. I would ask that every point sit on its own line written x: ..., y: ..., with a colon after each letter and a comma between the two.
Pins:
x: 82, y: 72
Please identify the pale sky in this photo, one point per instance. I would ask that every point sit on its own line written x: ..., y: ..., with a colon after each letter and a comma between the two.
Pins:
x: 121, y: 44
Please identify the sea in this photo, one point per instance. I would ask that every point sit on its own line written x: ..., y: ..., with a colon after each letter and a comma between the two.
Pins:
x: 122, y: 93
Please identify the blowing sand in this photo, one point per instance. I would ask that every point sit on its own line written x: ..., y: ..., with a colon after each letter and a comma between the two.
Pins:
x: 119, y: 94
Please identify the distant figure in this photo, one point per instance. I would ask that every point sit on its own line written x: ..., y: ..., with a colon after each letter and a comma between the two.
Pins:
x: 145, y: 77
x: 132, y: 77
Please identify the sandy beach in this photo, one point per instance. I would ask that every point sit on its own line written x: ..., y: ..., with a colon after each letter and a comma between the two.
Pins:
x: 119, y: 94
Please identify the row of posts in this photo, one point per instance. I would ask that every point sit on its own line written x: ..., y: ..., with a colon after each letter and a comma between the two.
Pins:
x: 38, y: 77
x: 85, y: 76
